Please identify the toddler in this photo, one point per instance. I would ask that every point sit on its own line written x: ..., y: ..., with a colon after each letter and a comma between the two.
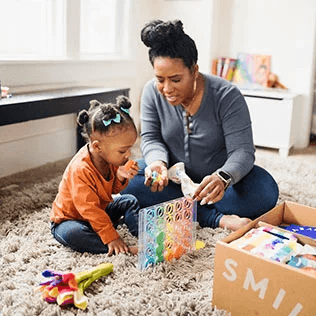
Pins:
x: 84, y: 214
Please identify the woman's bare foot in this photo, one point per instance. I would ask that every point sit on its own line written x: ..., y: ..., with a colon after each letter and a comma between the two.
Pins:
x: 233, y: 222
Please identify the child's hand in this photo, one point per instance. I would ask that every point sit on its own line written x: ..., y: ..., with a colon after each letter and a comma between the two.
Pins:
x: 116, y: 246
x: 129, y: 170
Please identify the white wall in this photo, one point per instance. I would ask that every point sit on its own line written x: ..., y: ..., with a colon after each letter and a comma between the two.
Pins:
x: 34, y: 143
x: 29, y: 144
x: 286, y: 29
x: 197, y: 21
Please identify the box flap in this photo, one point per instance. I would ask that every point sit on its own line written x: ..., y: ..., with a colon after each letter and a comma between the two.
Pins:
x: 298, y: 214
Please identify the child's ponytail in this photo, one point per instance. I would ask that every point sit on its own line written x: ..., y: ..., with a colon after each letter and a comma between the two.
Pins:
x: 124, y: 104
x: 83, y: 117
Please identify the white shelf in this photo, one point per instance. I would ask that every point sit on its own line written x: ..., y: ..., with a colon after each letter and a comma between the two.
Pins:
x: 274, y: 118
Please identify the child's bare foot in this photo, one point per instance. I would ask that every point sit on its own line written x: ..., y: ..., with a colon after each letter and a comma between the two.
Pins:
x: 233, y: 222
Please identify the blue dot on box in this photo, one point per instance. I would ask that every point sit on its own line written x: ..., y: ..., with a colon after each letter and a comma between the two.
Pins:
x: 309, y: 231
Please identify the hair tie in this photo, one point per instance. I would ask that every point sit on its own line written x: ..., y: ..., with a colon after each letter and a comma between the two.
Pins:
x: 117, y: 119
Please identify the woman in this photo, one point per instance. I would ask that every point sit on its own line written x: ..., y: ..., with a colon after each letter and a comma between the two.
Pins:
x: 203, y: 121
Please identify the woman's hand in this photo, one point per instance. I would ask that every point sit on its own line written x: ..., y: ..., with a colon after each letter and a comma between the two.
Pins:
x: 128, y: 171
x: 116, y: 246
x: 158, y: 182
x: 210, y: 190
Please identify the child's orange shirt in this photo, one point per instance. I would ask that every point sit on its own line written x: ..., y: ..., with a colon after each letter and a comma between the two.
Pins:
x: 84, y: 195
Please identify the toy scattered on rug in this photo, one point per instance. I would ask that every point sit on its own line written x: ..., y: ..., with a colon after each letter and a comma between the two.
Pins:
x: 166, y: 231
x: 199, y: 244
x: 177, y: 174
x: 68, y: 288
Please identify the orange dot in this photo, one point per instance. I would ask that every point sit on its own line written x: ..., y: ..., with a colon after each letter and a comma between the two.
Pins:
x: 178, y: 252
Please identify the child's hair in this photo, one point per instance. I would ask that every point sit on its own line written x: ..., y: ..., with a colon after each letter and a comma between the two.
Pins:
x: 103, y: 118
x: 168, y: 39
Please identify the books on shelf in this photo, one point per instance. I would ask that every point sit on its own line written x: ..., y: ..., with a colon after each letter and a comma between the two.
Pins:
x: 244, y: 70
x: 224, y: 67
x: 252, y: 69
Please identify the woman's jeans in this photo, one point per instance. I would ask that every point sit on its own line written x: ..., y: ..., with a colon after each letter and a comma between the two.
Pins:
x: 79, y: 235
x: 252, y: 196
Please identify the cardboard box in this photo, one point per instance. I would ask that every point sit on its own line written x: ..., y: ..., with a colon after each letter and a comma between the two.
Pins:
x: 246, y: 284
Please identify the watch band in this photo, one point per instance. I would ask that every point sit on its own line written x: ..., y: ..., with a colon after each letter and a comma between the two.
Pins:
x: 225, y: 177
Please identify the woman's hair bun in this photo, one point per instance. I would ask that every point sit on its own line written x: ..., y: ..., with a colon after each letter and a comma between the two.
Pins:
x: 83, y: 117
x: 158, y: 33
x: 123, y: 102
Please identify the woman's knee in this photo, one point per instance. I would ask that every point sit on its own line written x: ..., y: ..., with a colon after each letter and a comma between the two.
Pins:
x: 268, y: 185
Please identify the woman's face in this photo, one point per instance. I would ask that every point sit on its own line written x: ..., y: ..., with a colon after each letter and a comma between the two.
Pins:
x: 175, y: 81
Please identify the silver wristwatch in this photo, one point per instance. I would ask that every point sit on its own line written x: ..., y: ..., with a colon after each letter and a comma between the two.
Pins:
x: 225, y: 177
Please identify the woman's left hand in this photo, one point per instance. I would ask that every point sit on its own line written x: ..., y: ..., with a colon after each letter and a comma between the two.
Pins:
x: 210, y: 190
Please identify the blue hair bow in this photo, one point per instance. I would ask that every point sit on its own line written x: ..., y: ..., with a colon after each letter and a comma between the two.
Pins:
x: 117, y: 119
x: 125, y: 110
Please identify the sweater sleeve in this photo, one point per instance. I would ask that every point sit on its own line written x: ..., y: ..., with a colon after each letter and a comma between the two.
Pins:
x: 118, y: 186
x: 236, y: 124
x: 152, y: 145
x: 86, y: 190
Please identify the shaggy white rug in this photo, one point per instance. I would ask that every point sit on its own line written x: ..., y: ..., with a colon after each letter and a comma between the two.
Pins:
x: 183, y: 287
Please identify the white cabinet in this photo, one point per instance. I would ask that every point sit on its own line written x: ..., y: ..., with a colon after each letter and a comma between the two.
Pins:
x: 274, y: 117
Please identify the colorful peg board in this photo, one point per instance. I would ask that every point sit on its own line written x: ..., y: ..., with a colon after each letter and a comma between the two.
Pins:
x: 166, y: 231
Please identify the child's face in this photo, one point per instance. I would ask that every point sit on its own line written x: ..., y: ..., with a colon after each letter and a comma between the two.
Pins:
x: 116, y: 148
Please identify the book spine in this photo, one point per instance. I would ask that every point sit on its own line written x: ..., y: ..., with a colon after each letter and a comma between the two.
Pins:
x: 214, y: 66
x: 231, y: 69
x: 225, y: 68
x: 220, y: 65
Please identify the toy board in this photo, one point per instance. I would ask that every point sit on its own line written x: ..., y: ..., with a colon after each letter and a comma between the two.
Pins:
x: 166, y: 231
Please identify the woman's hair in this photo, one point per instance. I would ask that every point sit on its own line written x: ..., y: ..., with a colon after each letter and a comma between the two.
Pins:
x: 168, y: 39
x: 103, y: 118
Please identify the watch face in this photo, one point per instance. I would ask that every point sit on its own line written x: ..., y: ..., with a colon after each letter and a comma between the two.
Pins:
x: 224, y: 175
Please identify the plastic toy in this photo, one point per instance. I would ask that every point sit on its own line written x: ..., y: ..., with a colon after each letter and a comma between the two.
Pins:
x: 129, y: 164
x: 68, y: 288
x: 199, y: 244
x: 155, y: 177
x: 177, y: 174
x: 166, y: 231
